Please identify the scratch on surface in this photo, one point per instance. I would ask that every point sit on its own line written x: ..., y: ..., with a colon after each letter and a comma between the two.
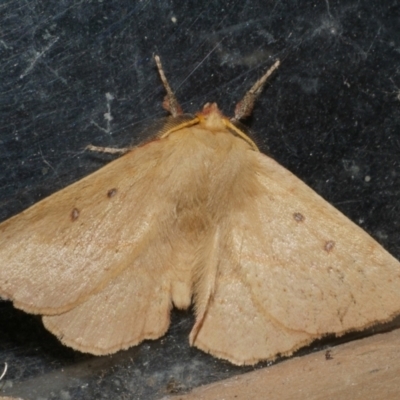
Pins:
x: 4, y: 44
x: 107, y: 116
x: 45, y: 161
x: 373, y: 41
x: 37, y: 57
x: 328, y: 10
x: 4, y: 371
x: 200, y: 63
x: 63, y: 80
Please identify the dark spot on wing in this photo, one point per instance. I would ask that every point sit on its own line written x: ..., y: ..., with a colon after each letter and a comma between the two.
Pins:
x: 111, y: 193
x: 329, y: 245
x: 298, y: 217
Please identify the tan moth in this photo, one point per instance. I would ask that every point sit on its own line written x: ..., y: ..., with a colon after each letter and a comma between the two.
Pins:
x: 197, y: 215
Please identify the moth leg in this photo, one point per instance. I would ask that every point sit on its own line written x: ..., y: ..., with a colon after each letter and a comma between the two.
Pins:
x: 245, y: 106
x: 170, y: 102
x: 108, y: 150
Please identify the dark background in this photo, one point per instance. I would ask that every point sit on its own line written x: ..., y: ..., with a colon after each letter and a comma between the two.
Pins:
x: 331, y: 115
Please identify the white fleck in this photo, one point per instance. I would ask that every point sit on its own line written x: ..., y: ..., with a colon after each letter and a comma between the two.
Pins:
x: 108, y: 116
x: 64, y: 395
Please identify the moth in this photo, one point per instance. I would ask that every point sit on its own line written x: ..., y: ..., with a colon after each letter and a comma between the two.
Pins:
x: 196, y: 216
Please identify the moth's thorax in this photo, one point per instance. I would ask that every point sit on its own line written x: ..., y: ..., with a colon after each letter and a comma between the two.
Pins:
x: 211, y: 117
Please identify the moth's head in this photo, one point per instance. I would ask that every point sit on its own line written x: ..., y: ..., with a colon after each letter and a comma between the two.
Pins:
x: 212, y: 117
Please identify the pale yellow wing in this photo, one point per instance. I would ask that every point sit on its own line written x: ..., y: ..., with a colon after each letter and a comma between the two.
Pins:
x: 236, y: 327
x: 58, y: 252
x: 134, y: 306
x: 292, y: 268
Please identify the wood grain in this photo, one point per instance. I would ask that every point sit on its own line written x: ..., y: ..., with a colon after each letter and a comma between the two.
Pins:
x: 363, y: 369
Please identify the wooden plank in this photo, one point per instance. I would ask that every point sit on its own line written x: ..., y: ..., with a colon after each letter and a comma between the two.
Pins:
x: 364, y: 369
x: 10, y: 398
